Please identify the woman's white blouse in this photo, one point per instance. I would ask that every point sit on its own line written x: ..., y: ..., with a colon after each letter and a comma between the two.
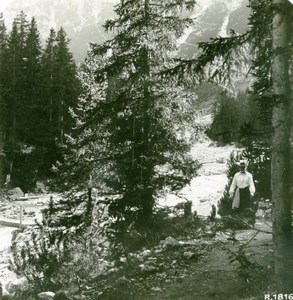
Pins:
x: 242, y: 180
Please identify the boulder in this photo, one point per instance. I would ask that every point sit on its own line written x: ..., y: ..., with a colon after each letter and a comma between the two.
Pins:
x: 15, y: 193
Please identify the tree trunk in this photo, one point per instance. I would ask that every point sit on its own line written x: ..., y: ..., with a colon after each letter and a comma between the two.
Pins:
x: 147, y: 196
x: 280, y: 172
x: 1, y: 141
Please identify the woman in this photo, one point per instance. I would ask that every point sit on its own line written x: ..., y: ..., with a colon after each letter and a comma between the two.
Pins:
x: 242, y: 188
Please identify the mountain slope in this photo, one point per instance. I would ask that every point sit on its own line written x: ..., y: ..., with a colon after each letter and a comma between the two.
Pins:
x: 83, y: 20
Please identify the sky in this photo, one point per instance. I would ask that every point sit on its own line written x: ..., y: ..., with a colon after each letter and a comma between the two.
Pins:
x: 4, y: 3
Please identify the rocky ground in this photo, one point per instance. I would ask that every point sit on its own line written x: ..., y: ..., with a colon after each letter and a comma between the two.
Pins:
x: 216, y: 276
x: 10, y: 209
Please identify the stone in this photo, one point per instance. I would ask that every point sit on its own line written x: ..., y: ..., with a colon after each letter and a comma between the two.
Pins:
x: 41, y: 187
x: 123, y: 259
x: 260, y: 213
x: 17, y: 285
x: 146, y: 253
x: 122, y: 280
x: 15, y: 193
x: 147, y: 268
x: 221, y: 236
x: 221, y: 160
x: 156, y: 289
x: 189, y: 254
x: 3, y: 291
x: 170, y: 242
x: 46, y: 295
x: 268, y: 213
x: 264, y: 205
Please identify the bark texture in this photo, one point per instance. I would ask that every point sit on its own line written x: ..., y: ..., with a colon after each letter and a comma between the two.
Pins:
x: 280, y: 174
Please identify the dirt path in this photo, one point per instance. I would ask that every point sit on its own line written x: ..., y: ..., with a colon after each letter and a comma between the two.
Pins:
x: 215, y: 277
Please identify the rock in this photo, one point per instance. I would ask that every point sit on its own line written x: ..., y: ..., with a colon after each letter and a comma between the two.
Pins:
x: 16, y: 285
x: 147, y: 268
x: 46, y: 295
x: 221, y: 236
x: 146, y: 253
x: 260, y: 213
x: 268, y: 213
x: 154, y: 259
x: 3, y: 291
x: 189, y: 254
x: 264, y: 205
x: 221, y: 160
x: 41, y: 187
x: 122, y: 280
x: 169, y: 242
x: 156, y: 289
x: 15, y: 193
x: 123, y: 259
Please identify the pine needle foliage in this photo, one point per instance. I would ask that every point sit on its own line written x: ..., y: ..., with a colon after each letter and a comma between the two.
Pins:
x: 126, y: 140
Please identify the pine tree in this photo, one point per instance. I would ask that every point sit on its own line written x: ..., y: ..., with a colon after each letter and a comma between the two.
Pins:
x: 31, y: 74
x: 60, y: 88
x: 3, y: 44
x: 13, y: 83
x: 48, y: 95
x: 66, y: 84
x: 129, y: 115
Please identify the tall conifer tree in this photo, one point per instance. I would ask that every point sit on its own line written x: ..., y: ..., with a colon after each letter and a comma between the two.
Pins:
x: 48, y: 95
x: 60, y: 89
x: 128, y: 135
x: 31, y: 82
x: 3, y: 44
x: 13, y: 82
x: 66, y: 84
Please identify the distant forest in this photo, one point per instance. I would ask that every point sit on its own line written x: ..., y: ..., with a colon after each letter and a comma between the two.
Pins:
x: 37, y: 87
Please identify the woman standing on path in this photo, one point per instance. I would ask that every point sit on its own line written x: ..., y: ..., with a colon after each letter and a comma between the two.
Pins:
x: 242, y: 188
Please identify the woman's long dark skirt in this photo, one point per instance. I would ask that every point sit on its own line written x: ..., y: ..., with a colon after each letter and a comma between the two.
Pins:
x: 244, y: 195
